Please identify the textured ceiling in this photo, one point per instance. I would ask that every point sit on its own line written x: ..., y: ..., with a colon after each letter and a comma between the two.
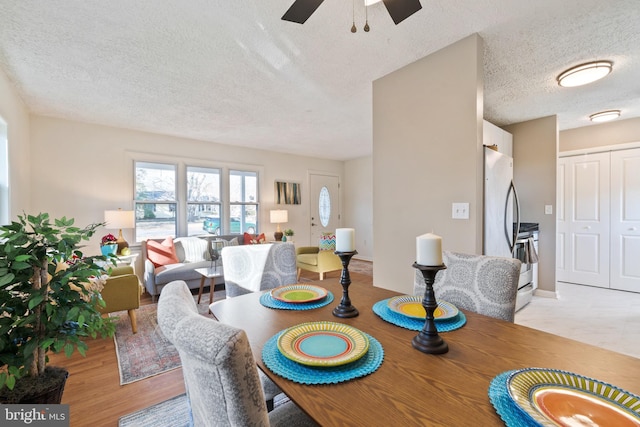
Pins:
x: 233, y: 72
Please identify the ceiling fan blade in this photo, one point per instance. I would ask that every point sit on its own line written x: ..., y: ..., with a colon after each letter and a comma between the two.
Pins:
x: 401, y: 9
x: 301, y: 10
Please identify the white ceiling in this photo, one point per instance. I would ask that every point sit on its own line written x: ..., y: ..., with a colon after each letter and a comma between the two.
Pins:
x: 231, y: 71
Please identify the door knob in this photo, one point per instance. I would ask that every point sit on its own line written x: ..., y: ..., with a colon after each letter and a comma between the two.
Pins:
x: 312, y: 224
x: 588, y: 227
x: 633, y: 229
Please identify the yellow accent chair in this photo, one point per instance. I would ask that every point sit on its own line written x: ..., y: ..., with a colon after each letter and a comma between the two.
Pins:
x: 122, y: 292
x: 311, y: 258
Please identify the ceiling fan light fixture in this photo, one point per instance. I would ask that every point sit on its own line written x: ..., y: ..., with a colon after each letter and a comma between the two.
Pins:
x: 605, y: 116
x: 585, y: 73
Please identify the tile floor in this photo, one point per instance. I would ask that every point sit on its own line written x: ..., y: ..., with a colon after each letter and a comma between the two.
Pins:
x: 602, y: 317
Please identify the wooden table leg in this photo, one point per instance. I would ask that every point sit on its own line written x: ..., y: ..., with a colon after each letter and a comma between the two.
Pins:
x: 200, y: 291
x: 212, y: 286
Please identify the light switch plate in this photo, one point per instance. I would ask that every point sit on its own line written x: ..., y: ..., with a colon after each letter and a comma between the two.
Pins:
x: 548, y: 209
x: 460, y: 211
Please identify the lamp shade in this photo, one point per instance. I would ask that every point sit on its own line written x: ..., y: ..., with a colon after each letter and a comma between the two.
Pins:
x: 119, y: 219
x: 279, y: 216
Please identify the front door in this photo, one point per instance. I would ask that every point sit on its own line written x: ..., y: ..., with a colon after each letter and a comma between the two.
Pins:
x: 325, y: 205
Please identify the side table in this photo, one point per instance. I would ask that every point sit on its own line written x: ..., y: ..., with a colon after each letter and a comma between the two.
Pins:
x: 211, y: 274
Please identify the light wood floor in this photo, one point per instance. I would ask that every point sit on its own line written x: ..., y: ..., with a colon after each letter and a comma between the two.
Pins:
x: 93, y: 391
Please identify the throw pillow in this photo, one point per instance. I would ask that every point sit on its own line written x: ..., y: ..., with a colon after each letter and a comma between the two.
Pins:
x: 250, y: 239
x: 162, y: 253
x: 195, y: 249
x: 327, y: 242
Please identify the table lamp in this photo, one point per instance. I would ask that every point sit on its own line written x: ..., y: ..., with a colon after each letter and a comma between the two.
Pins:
x: 279, y: 216
x: 118, y: 220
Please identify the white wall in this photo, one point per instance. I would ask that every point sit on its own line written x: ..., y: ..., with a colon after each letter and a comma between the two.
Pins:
x: 16, y: 116
x: 81, y: 169
x: 358, y: 203
x: 427, y: 154
x: 603, y: 134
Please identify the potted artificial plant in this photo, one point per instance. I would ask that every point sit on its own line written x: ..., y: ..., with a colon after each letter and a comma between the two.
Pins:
x: 289, y: 235
x: 49, y: 294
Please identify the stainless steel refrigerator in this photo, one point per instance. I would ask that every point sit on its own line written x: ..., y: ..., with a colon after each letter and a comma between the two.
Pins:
x: 501, y: 207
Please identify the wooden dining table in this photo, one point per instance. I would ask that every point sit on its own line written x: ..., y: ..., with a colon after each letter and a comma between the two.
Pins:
x: 414, y: 388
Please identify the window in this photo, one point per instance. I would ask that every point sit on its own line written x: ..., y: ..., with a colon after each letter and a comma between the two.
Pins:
x: 178, y: 200
x: 155, y: 200
x: 203, y: 200
x: 243, y: 201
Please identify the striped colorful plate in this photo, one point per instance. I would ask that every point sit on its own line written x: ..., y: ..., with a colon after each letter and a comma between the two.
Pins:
x: 559, y: 398
x: 323, y: 344
x: 411, y: 306
x: 296, y: 294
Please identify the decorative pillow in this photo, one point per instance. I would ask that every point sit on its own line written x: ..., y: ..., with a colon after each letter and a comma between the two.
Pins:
x: 233, y: 242
x: 162, y: 253
x: 195, y: 249
x: 327, y: 242
x: 250, y: 239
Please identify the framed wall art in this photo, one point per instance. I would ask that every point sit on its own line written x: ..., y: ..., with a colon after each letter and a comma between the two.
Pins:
x: 287, y: 193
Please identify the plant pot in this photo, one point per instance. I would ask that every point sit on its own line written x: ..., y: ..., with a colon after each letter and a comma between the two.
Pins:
x: 109, y: 249
x: 43, y: 389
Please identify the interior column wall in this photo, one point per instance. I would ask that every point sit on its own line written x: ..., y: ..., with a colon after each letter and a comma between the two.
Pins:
x: 427, y: 145
x: 535, y: 152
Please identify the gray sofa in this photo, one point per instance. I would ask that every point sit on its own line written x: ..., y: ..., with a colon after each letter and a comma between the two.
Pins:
x: 192, y: 253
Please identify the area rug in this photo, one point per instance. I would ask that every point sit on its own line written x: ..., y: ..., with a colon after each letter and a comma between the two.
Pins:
x: 148, y: 352
x: 174, y: 412
x: 361, y: 266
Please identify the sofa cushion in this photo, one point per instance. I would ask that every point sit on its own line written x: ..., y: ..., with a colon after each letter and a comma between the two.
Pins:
x: 180, y: 271
x: 311, y: 259
x: 192, y: 249
x: 162, y: 253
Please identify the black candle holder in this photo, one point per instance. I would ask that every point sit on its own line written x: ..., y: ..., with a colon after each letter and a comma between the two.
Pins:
x: 345, y: 309
x: 428, y: 341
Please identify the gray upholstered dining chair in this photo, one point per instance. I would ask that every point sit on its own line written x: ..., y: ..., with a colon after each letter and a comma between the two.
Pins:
x: 220, y: 373
x: 483, y: 284
x: 253, y: 268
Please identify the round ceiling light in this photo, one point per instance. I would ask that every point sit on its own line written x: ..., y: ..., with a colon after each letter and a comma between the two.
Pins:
x: 585, y: 73
x: 605, y: 116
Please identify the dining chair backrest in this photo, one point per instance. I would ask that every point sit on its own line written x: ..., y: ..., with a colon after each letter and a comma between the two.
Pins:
x: 252, y: 268
x: 220, y: 375
x: 483, y: 284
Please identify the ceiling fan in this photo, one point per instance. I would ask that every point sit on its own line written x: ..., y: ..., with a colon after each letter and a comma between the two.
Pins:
x: 399, y: 10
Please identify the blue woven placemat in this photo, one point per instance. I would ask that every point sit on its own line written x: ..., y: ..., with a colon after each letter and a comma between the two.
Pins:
x: 303, y: 374
x: 382, y: 309
x: 268, y: 301
x: 509, y: 411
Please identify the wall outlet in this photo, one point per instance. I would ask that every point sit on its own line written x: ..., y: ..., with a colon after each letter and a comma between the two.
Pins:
x: 548, y: 209
x: 460, y: 211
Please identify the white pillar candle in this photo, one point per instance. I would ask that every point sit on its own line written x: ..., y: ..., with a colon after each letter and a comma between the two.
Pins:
x: 429, y: 249
x: 345, y: 240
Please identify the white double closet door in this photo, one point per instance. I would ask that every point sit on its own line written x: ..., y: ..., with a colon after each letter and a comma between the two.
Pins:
x: 598, y: 219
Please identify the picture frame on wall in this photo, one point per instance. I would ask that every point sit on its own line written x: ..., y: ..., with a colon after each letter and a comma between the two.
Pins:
x: 287, y: 193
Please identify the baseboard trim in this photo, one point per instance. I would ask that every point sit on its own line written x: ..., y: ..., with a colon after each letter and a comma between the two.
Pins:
x: 545, y: 294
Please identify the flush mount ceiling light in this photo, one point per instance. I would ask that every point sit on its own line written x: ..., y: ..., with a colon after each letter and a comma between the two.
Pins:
x: 585, y: 73
x: 605, y: 116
